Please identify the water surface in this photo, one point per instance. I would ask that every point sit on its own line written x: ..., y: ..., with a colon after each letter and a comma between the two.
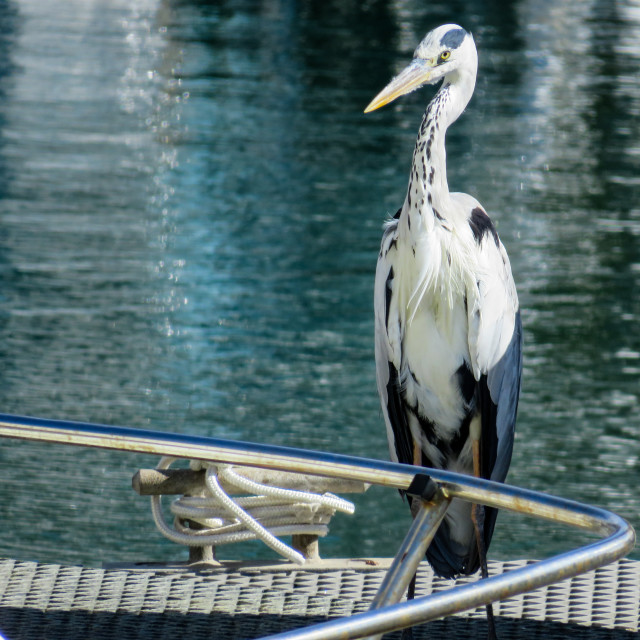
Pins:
x: 191, y: 204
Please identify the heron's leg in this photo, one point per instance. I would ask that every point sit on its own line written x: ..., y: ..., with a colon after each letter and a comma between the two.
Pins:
x: 477, y: 516
x: 417, y: 454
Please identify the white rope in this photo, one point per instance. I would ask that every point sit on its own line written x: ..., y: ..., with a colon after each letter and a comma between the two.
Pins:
x: 247, y: 485
x: 251, y: 523
x: 271, y: 512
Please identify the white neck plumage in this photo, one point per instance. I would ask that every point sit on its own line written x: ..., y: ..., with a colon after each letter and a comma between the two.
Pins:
x: 428, y: 197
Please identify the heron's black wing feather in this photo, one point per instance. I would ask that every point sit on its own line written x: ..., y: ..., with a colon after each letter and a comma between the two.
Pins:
x: 397, y: 413
x: 500, y: 402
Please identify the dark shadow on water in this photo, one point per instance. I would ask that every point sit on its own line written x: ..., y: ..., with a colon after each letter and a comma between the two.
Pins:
x: 26, y: 624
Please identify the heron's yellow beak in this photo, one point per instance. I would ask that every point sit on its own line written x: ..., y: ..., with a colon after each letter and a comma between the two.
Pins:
x: 409, y: 79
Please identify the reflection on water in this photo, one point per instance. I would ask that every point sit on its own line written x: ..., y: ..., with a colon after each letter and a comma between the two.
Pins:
x: 191, y: 204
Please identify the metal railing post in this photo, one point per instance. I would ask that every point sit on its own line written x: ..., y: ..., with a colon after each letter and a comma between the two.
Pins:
x: 411, y: 552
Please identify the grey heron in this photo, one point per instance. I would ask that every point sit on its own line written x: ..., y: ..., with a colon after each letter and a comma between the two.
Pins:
x: 448, y: 333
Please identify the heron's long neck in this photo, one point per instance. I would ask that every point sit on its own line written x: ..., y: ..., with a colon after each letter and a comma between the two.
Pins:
x: 428, y: 201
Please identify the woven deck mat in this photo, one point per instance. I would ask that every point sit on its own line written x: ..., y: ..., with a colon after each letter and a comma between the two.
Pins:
x: 47, y: 601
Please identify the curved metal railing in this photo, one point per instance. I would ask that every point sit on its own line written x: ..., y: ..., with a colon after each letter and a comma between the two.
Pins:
x: 617, y: 535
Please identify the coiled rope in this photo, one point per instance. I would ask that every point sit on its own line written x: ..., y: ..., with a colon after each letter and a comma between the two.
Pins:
x: 269, y: 512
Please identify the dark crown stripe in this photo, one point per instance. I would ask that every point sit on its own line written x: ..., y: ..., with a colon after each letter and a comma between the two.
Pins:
x: 453, y: 39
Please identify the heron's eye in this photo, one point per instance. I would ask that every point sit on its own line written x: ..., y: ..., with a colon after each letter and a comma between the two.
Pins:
x: 444, y: 56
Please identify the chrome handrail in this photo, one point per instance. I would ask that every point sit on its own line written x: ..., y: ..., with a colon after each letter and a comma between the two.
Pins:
x: 618, y: 537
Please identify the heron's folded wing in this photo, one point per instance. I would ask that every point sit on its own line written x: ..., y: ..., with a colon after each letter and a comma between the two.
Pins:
x: 495, y: 347
x: 388, y: 341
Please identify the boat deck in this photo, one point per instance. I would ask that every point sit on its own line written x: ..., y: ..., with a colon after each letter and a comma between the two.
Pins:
x: 243, y: 600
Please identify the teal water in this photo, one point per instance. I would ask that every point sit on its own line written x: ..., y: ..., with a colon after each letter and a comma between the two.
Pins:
x: 191, y: 203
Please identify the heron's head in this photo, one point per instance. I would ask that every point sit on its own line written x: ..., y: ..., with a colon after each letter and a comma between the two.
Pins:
x: 445, y: 51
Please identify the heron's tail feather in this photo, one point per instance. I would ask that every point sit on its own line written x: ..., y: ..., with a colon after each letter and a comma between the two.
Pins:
x: 450, y: 558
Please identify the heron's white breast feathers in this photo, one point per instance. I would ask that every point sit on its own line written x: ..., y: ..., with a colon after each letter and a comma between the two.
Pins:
x: 434, y: 348
x: 436, y: 272
x: 421, y: 327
